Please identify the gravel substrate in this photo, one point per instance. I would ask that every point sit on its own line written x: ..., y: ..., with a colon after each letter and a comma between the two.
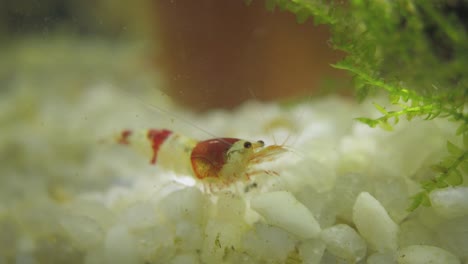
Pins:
x: 68, y: 195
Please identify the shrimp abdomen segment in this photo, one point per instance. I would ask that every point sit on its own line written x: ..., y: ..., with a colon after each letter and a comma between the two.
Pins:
x: 165, y: 148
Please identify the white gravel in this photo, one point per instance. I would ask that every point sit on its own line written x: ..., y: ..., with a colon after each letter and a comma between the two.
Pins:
x: 340, y: 195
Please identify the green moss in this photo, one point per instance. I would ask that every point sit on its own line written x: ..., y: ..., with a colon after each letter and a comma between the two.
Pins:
x: 414, y: 51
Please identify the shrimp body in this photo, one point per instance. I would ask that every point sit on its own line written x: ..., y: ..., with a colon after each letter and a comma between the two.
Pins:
x: 218, y: 161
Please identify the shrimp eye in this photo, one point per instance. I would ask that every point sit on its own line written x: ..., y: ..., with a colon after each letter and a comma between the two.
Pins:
x: 261, y: 142
x: 247, y: 144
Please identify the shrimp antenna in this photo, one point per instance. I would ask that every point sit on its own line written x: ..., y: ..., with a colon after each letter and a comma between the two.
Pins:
x: 164, y: 111
x: 299, y: 119
x: 261, y: 113
x: 177, y: 117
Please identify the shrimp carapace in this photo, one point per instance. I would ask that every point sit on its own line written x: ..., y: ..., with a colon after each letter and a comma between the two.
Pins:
x: 218, y: 161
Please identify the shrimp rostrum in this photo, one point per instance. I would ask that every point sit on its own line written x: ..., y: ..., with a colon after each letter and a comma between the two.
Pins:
x: 217, y: 161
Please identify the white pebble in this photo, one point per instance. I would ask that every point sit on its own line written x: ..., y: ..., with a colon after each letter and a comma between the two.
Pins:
x: 413, y: 232
x: 83, y: 231
x: 315, y: 174
x: 94, y: 256
x: 94, y: 210
x: 374, y: 223
x: 344, y: 242
x: 221, y: 236
x: 421, y: 254
x: 155, y: 243
x: 311, y: 251
x: 429, y: 218
x: 347, y: 189
x: 224, y: 229
x: 229, y: 207
x: 395, y: 205
x: 450, y: 202
x: 268, y: 243
x: 189, y: 235
x: 281, y: 209
x: 453, y: 236
x: 139, y: 215
x: 120, y: 246
x: 381, y: 258
x: 185, y: 259
x: 188, y: 203
x: 22, y: 258
x: 24, y: 244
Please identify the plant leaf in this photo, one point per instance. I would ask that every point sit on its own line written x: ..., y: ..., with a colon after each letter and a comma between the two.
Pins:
x: 454, y: 178
x: 417, y: 200
x: 381, y: 109
x: 439, y: 168
x: 394, y: 98
x: 385, y: 125
x: 368, y: 121
x: 426, y: 201
x: 302, y: 16
x: 461, y: 129
x: 453, y: 149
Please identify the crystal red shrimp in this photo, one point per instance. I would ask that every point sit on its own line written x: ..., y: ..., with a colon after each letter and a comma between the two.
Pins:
x: 217, y: 161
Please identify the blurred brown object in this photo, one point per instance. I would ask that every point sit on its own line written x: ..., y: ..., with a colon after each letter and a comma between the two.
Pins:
x: 217, y: 53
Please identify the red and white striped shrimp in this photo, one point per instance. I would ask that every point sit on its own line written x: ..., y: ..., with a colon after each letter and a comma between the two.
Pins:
x: 217, y: 161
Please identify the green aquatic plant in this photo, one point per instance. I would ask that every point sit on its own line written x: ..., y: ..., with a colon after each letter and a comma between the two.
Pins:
x: 414, y: 51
